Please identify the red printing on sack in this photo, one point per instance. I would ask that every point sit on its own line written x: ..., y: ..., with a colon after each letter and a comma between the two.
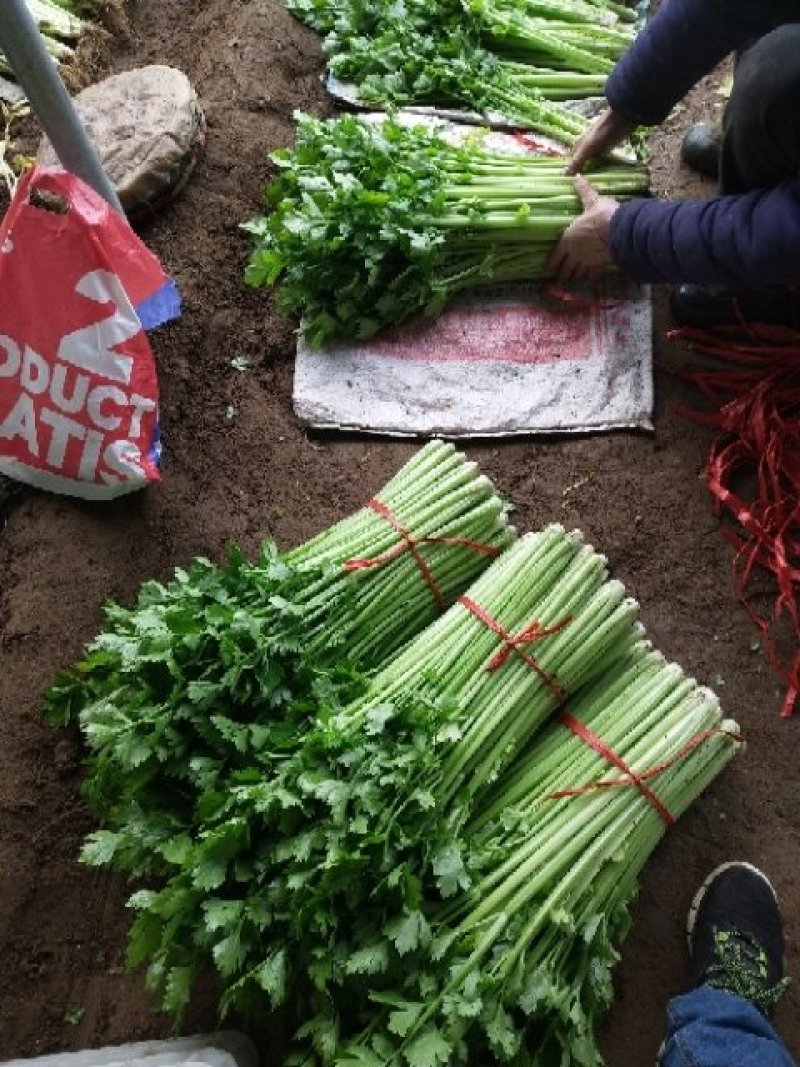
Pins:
x: 757, y: 417
x: 410, y: 543
x: 534, y: 145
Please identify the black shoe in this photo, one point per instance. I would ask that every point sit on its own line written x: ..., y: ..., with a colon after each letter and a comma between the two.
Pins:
x: 706, y: 309
x: 701, y: 148
x: 735, y: 935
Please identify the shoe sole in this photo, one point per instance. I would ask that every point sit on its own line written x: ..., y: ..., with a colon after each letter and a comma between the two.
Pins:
x: 700, y: 895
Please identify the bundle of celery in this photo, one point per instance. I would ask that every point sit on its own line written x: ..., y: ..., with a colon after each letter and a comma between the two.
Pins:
x: 428, y: 874
x: 306, y: 879
x: 374, y: 222
x: 517, y: 969
x: 227, y: 666
x: 506, y: 57
x: 59, y: 21
x: 581, y: 38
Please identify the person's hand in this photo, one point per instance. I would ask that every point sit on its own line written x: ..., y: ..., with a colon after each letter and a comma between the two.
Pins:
x: 606, y: 132
x: 583, y: 249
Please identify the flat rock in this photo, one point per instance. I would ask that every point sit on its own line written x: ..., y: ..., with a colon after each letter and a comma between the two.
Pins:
x: 149, y: 131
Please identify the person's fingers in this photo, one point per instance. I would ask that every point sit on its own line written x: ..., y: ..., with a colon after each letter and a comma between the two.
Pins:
x: 574, y: 272
x: 586, y: 191
x: 553, y: 265
x: 567, y: 269
x: 584, y: 151
x: 580, y: 158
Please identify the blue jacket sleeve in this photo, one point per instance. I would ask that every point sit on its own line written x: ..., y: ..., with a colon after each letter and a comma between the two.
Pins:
x: 682, y: 42
x: 752, y: 239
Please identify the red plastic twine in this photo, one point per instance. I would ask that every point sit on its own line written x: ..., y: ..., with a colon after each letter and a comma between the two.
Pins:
x: 570, y: 299
x: 630, y: 779
x: 590, y: 738
x: 409, y: 543
x: 534, y: 631
x: 757, y: 415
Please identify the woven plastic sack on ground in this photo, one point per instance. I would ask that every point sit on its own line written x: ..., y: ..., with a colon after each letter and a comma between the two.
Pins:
x: 78, y: 385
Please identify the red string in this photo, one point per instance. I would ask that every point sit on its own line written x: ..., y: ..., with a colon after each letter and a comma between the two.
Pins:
x: 653, y: 772
x: 757, y: 416
x: 582, y: 731
x: 410, y: 543
x: 577, y: 301
x: 534, y: 631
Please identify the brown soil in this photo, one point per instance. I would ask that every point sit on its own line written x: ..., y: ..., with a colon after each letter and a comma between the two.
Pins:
x: 258, y: 473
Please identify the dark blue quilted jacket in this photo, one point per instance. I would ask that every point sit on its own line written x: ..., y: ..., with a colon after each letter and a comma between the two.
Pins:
x: 749, y: 239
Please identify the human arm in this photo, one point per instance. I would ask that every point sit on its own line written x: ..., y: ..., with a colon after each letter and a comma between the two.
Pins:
x: 683, y: 41
x: 747, y: 240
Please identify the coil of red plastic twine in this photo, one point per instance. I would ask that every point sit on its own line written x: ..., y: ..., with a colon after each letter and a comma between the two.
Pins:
x: 757, y: 416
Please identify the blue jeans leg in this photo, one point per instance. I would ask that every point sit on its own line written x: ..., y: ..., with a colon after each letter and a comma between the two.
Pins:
x: 711, y: 1028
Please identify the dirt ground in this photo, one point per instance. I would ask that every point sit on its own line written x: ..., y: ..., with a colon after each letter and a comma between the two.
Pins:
x: 638, y: 497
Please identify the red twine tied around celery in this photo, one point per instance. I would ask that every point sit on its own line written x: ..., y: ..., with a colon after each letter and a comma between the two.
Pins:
x: 534, y: 631
x: 659, y: 768
x: 410, y: 543
x: 570, y: 300
x: 590, y: 738
x: 758, y: 422
x: 629, y: 777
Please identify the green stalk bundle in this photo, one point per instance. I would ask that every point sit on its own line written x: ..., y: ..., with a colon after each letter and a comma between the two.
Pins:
x: 228, y: 665
x: 517, y: 969
x: 560, y: 44
x: 374, y: 222
x: 364, y: 816
x: 452, y: 53
x: 445, y: 503
x: 415, y: 868
x: 551, y: 577
x: 399, y: 66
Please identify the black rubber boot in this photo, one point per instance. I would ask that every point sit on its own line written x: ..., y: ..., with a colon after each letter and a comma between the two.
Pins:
x: 735, y: 933
x: 701, y: 149
x: 706, y: 309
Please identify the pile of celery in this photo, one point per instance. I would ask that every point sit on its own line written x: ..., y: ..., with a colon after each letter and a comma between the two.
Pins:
x: 225, y: 664
x: 507, y: 58
x: 416, y: 851
x: 372, y: 223
x: 517, y: 968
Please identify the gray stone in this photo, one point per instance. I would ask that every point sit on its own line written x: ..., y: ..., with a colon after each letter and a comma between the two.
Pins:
x: 148, y: 129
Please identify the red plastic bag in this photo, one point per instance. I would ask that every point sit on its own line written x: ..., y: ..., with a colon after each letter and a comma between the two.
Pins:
x: 78, y: 386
